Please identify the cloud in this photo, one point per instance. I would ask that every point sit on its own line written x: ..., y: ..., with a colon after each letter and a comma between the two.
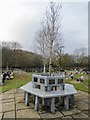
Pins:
x: 21, y: 19
x: 75, y: 26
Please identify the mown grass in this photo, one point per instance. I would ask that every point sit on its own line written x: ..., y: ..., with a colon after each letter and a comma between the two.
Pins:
x: 18, y: 81
x: 21, y: 79
x: 82, y: 86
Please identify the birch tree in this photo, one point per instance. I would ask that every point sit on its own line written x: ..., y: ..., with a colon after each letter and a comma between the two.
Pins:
x: 42, y: 45
x: 53, y: 26
x: 50, y: 31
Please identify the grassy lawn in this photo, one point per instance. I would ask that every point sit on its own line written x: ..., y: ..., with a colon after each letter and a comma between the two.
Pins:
x: 18, y: 81
x: 82, y: 86
x: 21, y: 79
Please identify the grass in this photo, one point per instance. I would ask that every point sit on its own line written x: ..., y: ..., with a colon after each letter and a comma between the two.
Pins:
x: 82, y: 86
x: 21, y: 79
x: 18, y: 81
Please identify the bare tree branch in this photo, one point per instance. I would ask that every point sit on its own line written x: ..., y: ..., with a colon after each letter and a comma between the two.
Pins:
x: 49, y: 35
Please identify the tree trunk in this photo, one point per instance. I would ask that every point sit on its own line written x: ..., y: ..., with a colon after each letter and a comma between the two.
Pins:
x: 44, y: 68
x: 50, y: 66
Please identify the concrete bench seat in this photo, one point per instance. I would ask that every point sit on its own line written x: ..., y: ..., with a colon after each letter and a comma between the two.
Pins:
x: 68, y: 92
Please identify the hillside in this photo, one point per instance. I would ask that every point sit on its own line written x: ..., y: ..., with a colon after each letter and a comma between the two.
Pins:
x: 20, y: 59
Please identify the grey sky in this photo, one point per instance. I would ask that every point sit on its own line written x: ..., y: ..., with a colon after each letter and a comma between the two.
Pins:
x: 21, y: 20
x: 75, y: 25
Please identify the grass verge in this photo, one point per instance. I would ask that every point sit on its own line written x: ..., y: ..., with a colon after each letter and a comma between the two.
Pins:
x: 18, y: 81
x: 21, y: 79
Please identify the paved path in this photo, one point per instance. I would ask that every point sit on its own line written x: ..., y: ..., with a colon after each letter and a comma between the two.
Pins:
x: 12, y: 106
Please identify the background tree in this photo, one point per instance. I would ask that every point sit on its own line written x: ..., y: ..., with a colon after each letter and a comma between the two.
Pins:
x: 59, y: 53
x: 68, y: 61
x: 80, y: 56
x: 11, y: 45
x: 18, y: 58
x: 15, y: 45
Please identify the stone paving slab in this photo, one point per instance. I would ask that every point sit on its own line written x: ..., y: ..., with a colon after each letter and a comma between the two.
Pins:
x: 0, y: 96
x: 14, y: 107
x: 7, y: 100
x: 21, y: 106
x: 11, y: 91
x: 27, y: 113
x: 8, y: 107
x: 20, y: 91
x: 67, y: 117
x: 0, y: 108
x: 70, y: 112
x: 87, y: 101
x: 1, y: 114
x: 80, y: 115
x: 7, y: 96
x: 50, y: 115
x: 19, y: 95
x: 31, y: 105
x: 82, y: 105
x: 51, y: 119
x: 86, y: 112
x: 0, y: 101
x: 83, y: 93
x: 80, y: 97
x: 19, y: 99
x: 10, y: 114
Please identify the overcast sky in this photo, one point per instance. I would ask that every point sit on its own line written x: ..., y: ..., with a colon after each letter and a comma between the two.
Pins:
x: 20, y: 20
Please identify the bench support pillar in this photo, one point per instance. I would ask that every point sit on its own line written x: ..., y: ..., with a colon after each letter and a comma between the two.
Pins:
x: 43, y: 102
x: 66, y: 102
x: 62, y: 100
x: 27, y: 98
x: 36, y: 103
x: 53, y: 105
x: 24, y: 95
x: 72, y: 100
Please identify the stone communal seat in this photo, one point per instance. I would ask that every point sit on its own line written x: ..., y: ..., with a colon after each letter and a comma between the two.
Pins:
x: 66, y: 93
x: 48, y: 83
